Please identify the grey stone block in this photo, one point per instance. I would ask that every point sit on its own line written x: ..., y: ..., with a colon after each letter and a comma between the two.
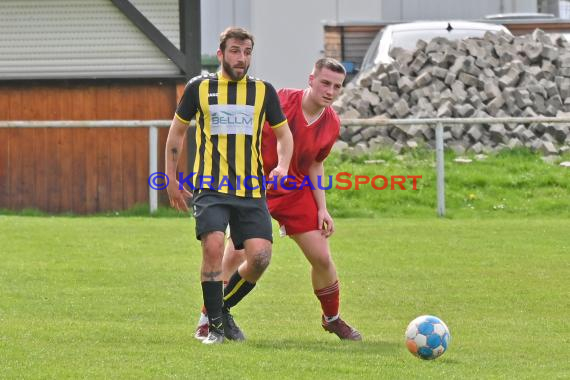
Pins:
x: 411, y: 144
x: 438, y: 72
x: 549, y: 52
x: 492, y: 90
x: 513, y: 110
x: 371, y: 97
x: 548, y: 68
x: 436, y: 85
x: 458, y: 89
x: 476, y: 101
x: 448, y: 96
x: 533, y: 50
x: 383, y: 78
x: 402, y: 56
x: 529, y: 112
x: 356, y: 138
x: 558, y: 132
x: 476, y: 132
x: 351, y: 113
x: 457, y: 131
x: 518, y: 131
x: 457, y: 64
x: 564, y: 88
x: 376, y: 86
x: 514, y: 143
x: 365, y: 80
x: 510, y: 79
x: 393, y: 76
x: 401, y: 109
x: 522, y: 98
x: 405, y: 84
x: 550, y: 87
x: 423, y: 80
x: 397, y: 147
x: 380, y: 142
x: 564, y: 60
x: 445, y: 110
x: 363, y: 108
x: 547, y: 137
x: 437, y: 59
x: 547, y: 148
x: 418, y: 62
x: 537, y: 89
x: 564, y: 71
x: 468, y: 79
x: 495, y: 105
x: 555, y: 101
x: 464, y: 110
x: 360, y: 148
x: 339, y: 146
x: 497, y: 133
x: 450, y: 78
x: 476, y: 148
x: 538, y: 128
x: 370, y: 132
x: 528, y: 135
x: 506, y: 53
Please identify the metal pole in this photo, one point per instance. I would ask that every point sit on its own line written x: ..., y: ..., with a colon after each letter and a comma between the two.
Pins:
x: 152, y: 166
x: 440, y: 169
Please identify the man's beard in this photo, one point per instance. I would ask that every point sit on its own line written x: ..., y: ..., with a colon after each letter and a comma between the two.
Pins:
x: 232, y: 74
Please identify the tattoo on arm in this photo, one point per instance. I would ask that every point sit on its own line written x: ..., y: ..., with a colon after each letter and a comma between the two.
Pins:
x: 211, y: 276
x: 174, y: 152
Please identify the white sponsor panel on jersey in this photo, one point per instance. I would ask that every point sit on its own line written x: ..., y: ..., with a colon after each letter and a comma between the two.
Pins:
x: 231, y: 119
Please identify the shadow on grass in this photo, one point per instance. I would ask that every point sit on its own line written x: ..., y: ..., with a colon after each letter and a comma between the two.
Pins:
x: 326, y: 346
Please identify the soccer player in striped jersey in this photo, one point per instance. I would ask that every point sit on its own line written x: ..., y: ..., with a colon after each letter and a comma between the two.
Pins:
x: 301, y: 210
x: 230, y: 109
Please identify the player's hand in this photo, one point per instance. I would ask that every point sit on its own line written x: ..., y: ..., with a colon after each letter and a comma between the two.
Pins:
x: 178, y: 197
x: 326, y: 223
x: 278, y: 172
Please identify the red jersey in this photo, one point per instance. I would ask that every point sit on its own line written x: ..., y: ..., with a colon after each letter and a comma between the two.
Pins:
x: 312, y: 142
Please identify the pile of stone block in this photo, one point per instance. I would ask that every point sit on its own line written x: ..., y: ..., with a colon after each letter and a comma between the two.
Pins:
x: 498, y: 75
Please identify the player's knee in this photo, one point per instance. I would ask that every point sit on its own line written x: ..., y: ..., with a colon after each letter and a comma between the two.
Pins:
x: 261, y: 261
x: 212, y: 247
x: 322, y: 262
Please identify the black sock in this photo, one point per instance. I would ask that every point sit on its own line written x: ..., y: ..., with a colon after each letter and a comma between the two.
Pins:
x: 212, y: 291
x: 235, y: 290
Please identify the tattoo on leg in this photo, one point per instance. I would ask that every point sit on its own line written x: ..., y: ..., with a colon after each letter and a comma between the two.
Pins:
x: 211, y: 276
x: 261, y: 261
x: 174, y: 152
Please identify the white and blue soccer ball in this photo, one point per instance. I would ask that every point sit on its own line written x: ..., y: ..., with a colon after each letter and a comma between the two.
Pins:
x: 427, y: 337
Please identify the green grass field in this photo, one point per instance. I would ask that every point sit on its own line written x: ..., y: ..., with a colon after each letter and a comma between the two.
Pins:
x: 511, y: 183
x: 119, y: 297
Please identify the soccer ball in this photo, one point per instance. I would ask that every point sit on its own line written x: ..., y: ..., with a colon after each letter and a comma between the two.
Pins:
x: 427, y: 337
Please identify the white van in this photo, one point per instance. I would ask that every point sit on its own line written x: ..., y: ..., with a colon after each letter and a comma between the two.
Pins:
x: 407, y: 35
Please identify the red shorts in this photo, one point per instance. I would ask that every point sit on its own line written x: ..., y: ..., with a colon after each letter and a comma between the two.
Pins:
x: 296, y: 211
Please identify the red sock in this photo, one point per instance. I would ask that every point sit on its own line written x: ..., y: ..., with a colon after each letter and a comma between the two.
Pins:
x: 330, y: 299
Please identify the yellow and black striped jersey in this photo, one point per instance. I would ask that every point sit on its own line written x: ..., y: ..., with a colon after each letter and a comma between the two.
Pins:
x: 229, y: 123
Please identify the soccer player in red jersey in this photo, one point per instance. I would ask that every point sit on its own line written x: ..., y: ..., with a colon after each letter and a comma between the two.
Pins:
x: 301, y: 210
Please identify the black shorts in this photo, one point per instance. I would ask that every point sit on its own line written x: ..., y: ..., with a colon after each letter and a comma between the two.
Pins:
x: 248, y: 217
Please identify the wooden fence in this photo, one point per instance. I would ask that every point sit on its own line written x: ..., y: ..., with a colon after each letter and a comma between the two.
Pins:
x: 80, y: 170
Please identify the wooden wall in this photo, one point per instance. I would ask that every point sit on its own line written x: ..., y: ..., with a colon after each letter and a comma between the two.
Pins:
x: 80, y: 170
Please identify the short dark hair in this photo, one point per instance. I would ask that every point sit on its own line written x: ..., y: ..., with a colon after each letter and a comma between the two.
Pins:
x: 234, y: 32
x: 331, y: 64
